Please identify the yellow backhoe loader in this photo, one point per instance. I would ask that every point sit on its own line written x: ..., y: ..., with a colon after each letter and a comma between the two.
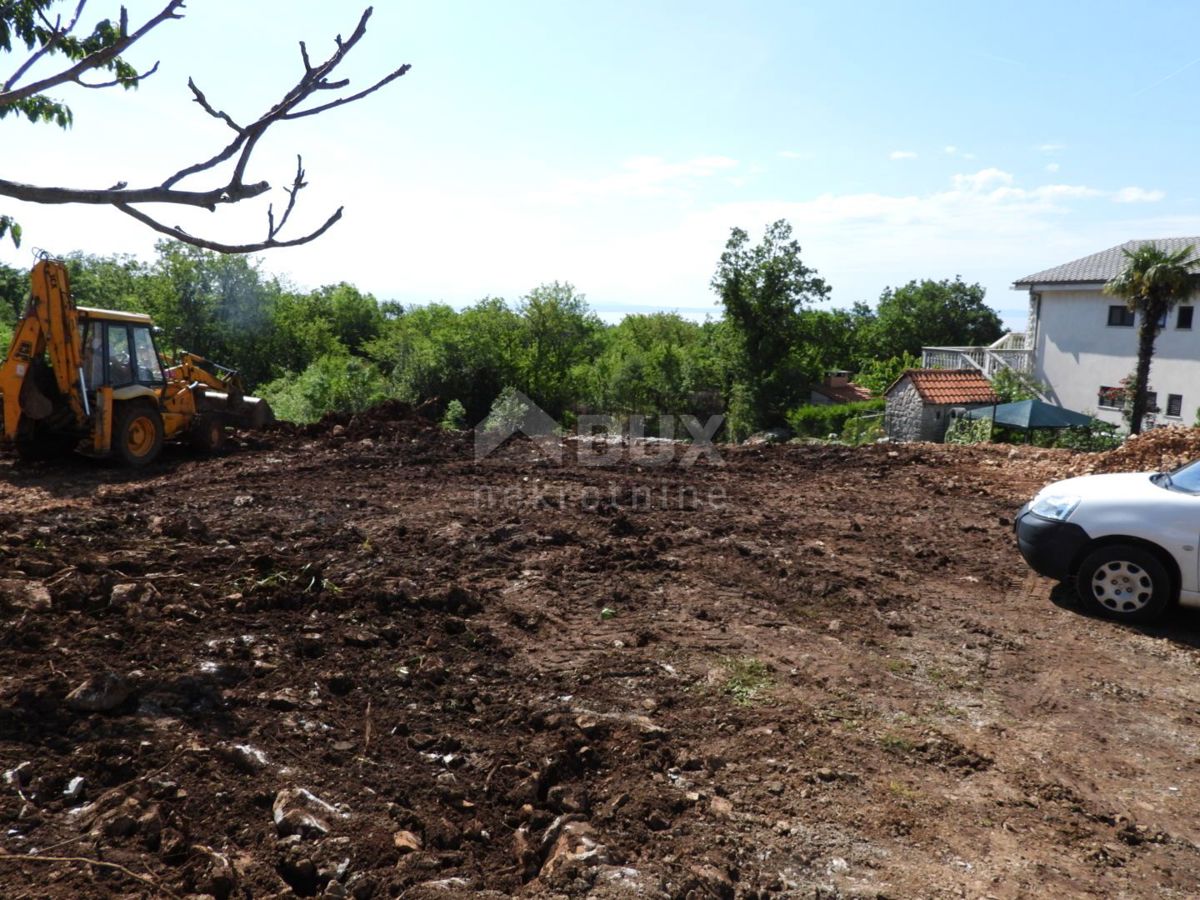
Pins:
x: 92, y: 380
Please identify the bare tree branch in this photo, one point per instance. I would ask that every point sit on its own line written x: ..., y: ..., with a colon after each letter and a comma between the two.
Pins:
x: 180, y: 235
x: 112, y: 196
x: 297, y: 184
x: 240, y: 149
x: 344, y: 100
x: 11, y: 95
x: 129, y: 81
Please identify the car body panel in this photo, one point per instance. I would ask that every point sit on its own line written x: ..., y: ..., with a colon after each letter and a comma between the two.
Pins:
x: 1115, y: 506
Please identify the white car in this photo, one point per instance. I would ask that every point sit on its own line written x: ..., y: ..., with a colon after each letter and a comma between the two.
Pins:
x: 1128, y: 541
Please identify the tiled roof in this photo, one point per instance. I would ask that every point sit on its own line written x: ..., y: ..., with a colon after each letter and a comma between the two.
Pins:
x: 949, y: 386
x: 843, y: 393
x: 1102, y: 266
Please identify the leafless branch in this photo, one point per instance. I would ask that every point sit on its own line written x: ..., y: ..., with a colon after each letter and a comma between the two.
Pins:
x: 107, y: 84
x: 270, y: 244
x: 100, y: 58
x: 119, y: 194
x: 297, y: 185
x: 316, y: 77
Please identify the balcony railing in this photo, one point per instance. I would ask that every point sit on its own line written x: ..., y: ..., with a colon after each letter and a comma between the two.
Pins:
x: 1007, y: 353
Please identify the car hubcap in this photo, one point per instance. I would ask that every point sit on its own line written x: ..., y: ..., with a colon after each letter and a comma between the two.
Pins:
x: 1122, y: 586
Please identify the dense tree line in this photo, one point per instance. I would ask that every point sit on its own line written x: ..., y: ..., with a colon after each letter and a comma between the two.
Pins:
x: 339, y: 348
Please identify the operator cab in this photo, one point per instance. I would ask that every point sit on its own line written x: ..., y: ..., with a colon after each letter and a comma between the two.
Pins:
x: 118, y: 349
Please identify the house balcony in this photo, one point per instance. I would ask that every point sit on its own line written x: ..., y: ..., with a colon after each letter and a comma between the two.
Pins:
x: 1009, y: 352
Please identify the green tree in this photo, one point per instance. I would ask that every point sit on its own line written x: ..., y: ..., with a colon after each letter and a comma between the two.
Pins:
x: 561, y: 334
x: 648, y: 365
x: 877, y: 375
x: 932, y: 314
x: 763, y: 289
x: 1011, y: 386
x: 1151, y: 283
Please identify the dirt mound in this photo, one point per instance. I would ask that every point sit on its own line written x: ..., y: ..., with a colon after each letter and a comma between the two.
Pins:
x: 387, y: 419
x: 1153, y: 451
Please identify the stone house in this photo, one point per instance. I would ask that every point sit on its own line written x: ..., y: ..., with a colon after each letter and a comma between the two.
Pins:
x: 919, y: 401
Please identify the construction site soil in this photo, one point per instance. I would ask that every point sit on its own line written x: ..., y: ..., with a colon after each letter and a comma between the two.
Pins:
x: 349, y: 660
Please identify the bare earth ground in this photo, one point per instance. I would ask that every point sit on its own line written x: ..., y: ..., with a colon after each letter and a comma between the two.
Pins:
x: 810, y: 671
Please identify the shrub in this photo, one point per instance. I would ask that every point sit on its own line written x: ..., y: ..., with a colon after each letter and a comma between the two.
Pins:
x: 508, y: 411
x: 863, y: 429
x: 1097, y: 436
x: 969, y: 431
x: 336, y: 381
x: 455, y: 417
x: 822, y: 421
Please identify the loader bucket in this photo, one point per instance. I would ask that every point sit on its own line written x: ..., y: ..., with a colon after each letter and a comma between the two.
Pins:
x: 245, y: 412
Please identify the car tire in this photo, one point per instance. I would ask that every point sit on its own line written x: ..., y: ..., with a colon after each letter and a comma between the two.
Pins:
x: 1125, y: 583
x: 137, y: 434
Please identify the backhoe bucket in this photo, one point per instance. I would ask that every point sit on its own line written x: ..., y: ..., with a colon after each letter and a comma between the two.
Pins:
x: 245, y: 412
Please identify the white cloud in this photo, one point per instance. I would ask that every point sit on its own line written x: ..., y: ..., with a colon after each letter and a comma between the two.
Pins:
x: 1052, y: 167
x: 902, y: 154
x: 982, y: 180
x: 1137, y: 195
x: 1052, y: 148
x: 796, y: 154
x: 951, y: 149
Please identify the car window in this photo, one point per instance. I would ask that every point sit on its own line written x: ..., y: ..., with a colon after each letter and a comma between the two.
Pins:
x: 1186, y: 478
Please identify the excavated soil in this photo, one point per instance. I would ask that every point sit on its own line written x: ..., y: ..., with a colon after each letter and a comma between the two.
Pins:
x: 349, y: 660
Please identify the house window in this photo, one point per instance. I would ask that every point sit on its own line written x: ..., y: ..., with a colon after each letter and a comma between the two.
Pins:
x: 1184, y: 320
x: 1152, y: 401
x: 1120, y: 316
x: 1175, y: 405
x: 1111, y: 398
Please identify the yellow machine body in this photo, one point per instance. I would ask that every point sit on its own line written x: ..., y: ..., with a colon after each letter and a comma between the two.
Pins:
x: 92, y: 380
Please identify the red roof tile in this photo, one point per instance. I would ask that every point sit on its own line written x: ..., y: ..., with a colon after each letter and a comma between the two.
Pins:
x: 843, y: 393
x: 950, y: 386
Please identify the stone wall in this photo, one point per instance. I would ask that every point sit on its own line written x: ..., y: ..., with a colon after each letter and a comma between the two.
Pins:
x: 904, y: 415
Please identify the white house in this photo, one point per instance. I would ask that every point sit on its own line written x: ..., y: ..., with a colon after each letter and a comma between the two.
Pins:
x: 1084, y: 342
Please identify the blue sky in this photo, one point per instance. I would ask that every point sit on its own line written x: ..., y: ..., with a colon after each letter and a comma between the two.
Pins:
x: 613, y: 145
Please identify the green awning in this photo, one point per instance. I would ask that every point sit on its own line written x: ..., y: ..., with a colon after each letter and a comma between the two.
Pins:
x: 1026, y: 414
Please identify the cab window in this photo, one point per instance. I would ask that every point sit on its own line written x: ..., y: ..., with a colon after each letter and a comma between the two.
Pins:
x: 120, y: 361
x: 93, y: 354
x: 149, y: 371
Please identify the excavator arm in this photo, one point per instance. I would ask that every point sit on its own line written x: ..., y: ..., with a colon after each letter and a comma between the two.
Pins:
x: 49, y: 326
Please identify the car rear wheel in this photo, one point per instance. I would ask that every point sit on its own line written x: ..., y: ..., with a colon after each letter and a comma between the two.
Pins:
x: 1125, y: 583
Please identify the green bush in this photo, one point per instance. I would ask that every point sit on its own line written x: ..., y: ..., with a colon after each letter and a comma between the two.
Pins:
x: 508, y: 412
x: 969, y: 431
x: 862, y: 429
x: 1097, y: 436
x: 336, y: 381
x: 455, y: 417
x: 822, y: 421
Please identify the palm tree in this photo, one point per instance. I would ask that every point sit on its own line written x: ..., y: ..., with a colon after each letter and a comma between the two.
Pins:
x: 1151, y: 283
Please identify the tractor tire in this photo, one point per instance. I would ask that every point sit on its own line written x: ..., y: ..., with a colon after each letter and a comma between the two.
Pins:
x: 137, y: 435
x: 207, y: 434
